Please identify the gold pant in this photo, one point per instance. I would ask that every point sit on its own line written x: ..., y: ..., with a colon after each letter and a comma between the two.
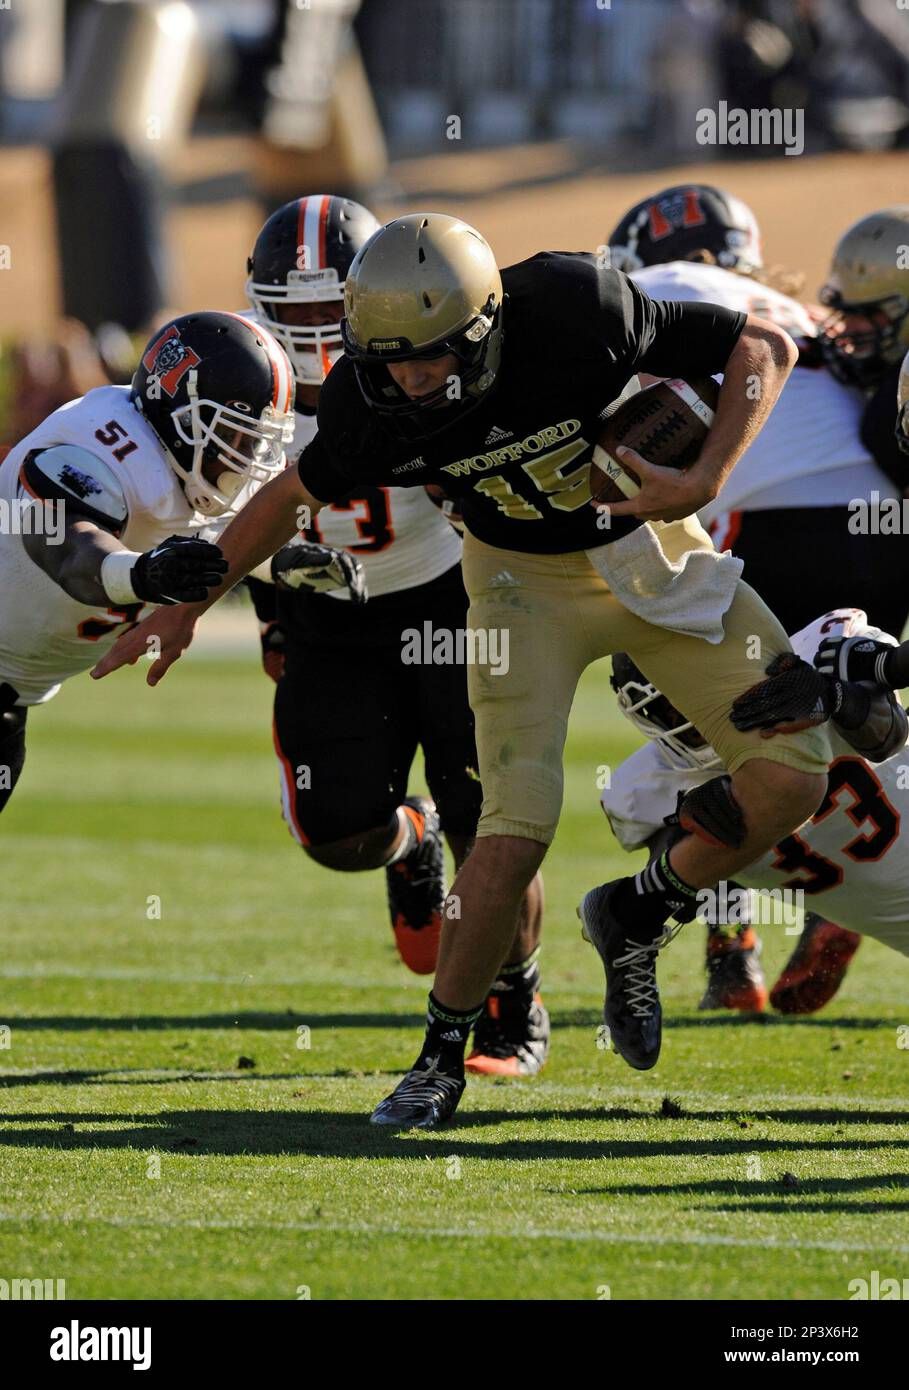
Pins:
x: 560, y: 616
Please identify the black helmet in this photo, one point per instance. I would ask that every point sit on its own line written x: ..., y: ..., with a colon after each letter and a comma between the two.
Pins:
x: 302, y: 256
x: 677, y: 223
x: 217, y: 387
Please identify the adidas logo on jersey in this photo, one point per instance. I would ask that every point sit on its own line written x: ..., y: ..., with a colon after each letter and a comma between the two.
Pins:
x: 503, y: 580
x: 497, y: 433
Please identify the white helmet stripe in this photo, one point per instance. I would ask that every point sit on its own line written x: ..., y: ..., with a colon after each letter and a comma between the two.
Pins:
x: 285, y: 385
x: 313, y: 239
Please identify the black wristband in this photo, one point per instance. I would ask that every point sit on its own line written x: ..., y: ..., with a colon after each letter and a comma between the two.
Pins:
x: 853, y: 706
x: 895, y: 667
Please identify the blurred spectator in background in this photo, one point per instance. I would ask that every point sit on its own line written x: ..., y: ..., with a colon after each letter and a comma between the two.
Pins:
x: 621, y: 85
x: 685, y: 77
x: 833, y: 59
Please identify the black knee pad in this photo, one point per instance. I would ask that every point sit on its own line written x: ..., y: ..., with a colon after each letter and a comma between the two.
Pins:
x: 711, y: 812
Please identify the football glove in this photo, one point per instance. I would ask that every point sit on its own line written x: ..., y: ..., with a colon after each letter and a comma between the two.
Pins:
x: 306, y: 565
x: 273, y: 639
x: 853, y: 659
x: 794, y: 697
x: 179, y: 570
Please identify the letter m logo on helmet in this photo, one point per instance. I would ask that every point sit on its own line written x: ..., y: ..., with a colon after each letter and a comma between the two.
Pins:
x: 169, y: 359
x: 225, y: 410
x: 681, y: 208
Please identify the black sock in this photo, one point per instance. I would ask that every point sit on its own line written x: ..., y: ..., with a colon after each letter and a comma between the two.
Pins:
x: 520, y: 980
x: 653, y: 895
x: 447, y: 1032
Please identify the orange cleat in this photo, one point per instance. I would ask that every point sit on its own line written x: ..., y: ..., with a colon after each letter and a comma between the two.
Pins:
x: 735, y: 979
x: 511, y: 1037
x: 419, y: 947
x: 817, y: 967
x: 416, y: 890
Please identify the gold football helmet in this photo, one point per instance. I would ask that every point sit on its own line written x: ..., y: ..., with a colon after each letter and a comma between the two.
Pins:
x: 868, y: 291
x: 423, y: 286
x: 902, y: 403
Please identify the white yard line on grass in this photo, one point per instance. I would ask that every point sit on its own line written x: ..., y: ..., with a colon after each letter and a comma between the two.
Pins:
x: 456, y: 1232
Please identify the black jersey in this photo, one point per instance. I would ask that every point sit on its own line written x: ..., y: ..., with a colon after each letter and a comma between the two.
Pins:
x: 879, y: 429
x: 574, y: 334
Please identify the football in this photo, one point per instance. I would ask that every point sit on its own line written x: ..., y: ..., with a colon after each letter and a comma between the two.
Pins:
x: 666, y: 424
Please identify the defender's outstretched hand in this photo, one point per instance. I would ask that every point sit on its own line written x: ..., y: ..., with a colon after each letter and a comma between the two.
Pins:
x: 163, y: 636
x: 260, y: 528
x: 320, y: 569
x: 181, y: 569
x: 792, y: 698
x: 796, y: 697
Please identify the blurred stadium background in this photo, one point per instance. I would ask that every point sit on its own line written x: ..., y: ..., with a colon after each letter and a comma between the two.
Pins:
x: 141, y: 141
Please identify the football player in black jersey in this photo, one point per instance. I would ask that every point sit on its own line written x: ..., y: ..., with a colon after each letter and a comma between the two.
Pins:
x: 494, y: 385
x: 349, y: 713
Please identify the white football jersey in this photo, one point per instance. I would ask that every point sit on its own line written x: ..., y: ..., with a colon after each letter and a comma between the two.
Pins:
x: 851, y: 859
x: 45, y: 635
x: 809, y: 453
x: 399, y: 535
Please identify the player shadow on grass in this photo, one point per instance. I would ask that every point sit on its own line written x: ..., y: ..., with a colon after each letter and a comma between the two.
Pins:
x: 151, y: 1076
x: 328, y: 1134
x: 264, y: 1021
x: 254, y: 1020
x: 766, y: 1195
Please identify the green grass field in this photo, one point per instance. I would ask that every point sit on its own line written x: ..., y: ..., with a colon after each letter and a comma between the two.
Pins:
x: 140, y: 1159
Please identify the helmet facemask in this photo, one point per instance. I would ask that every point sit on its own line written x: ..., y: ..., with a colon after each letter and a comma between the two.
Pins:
x: 653, y: 714
x: 861, y: 358
x: 313, y: 349
x: 477, y: 349
x: 249, y: 448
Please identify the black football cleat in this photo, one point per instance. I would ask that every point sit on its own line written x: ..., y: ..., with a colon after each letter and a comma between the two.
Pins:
x: 511, y: 1036
x: 416, y: 890
x: 631, y: 1010
x: 423, y: 1099
x: 735, y: 979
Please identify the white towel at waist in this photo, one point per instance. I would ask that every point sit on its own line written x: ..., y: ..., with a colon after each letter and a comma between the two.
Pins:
x: 690, y: 595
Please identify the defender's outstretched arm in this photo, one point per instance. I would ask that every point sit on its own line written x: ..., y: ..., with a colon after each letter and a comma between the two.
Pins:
x: 280, y: 509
